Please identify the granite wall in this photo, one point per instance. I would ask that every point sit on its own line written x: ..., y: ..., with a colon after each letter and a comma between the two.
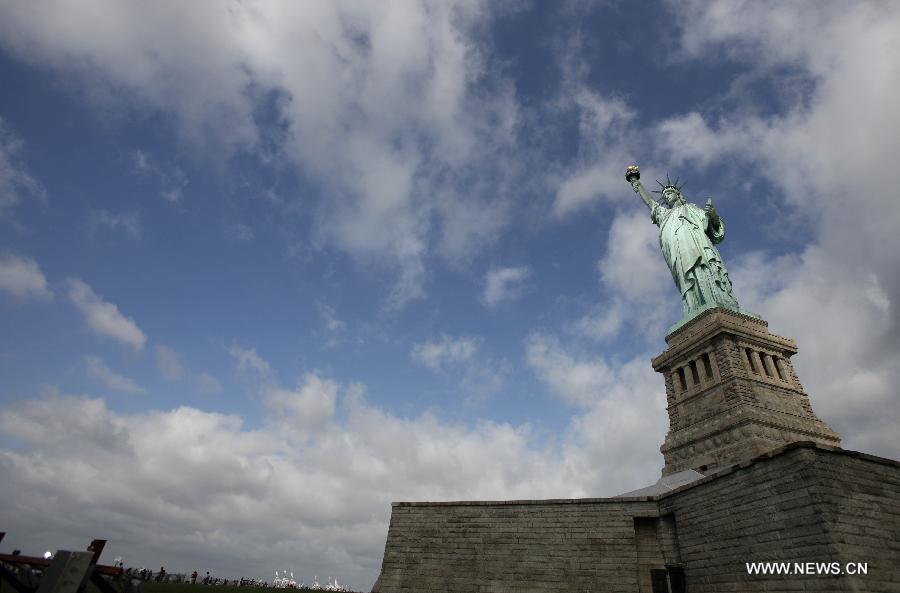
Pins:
x: 800, y: 503
x: 515, y: 546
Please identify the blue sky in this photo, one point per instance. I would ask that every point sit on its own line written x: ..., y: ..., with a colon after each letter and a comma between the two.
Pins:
x: 265, y: 268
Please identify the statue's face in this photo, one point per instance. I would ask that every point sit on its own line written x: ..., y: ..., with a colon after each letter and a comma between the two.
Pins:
x: 672, y: 196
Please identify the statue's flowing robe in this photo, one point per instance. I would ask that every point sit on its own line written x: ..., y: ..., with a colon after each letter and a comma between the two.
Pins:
x: 688, y: 238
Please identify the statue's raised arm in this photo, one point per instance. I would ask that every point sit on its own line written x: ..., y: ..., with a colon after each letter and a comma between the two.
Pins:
x: 688, y: 235
x: 633, y: 176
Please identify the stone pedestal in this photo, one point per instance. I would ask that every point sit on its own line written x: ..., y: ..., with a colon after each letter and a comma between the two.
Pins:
x: 732, y: 393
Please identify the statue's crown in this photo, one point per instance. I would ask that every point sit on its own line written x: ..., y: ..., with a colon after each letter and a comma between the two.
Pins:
x: 669, y: 184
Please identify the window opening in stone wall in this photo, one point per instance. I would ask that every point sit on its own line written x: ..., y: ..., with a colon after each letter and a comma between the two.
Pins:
x: 750, y: 360
x: 682, y: 378
x: 694, y: 375
x: 776, y: 362
x: 707, y: 365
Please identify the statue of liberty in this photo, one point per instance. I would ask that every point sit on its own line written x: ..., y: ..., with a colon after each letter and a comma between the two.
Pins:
x: 688, y: 236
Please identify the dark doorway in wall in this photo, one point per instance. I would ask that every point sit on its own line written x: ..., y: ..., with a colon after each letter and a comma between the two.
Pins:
x: 659, y: 580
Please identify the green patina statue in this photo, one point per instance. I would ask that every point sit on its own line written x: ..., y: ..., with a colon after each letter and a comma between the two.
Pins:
x: 688, y: 236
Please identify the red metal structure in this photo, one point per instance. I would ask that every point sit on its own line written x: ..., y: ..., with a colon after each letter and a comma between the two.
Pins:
x: 96, y: 573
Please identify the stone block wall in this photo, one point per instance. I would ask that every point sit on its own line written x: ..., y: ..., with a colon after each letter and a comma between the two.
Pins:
x: 800, y: 503
x: 513, y: 547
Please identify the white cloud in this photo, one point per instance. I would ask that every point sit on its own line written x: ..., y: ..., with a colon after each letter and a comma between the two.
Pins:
x: 61, y: 423
x: 477, y: 374
x: 592, y: 183
x: 603, y: 323
x: 143, y: 162
x: 252, y: 364
x: 446, y: 351
x: 172, y: 179
x: 129, y: 222
x: 579, y: 382
x: 15, y: 181
x: 207, y: 384
x: 847, y: 364
x: 169, y: 363
x: 394, y: 128
x: 605, y: 132
x: 22, y: 277
x: 97, y: 369
x: 103, y: 317
x: 172, y: 195
x: 690, y: 139
x: 504, y: 284
x: 217, y: 493
x: 633, y: 265
x: 616, y: 438
x: 637, y: 290
x: 307, y: 409
x: 329, y: 315
x: 468, y: 225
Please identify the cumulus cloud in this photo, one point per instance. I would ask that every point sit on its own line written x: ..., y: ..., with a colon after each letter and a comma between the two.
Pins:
x: 622, y: 419
x: 169, y: 363
x: 22, y: 278
x: 637, y: 291
x: 16, y: 182
x: 393, y: 129
x: 590, y: 184
x: 606, y: 129
x: 632, y: 264
x: 445, y: 351
x: 603, y: 323
x: 846, y: 365
x: 98, y: 370
x: 578, y: 382
x: 216, y: 493
x: 103, y: 317
x: 59, y: 423
x: 478, y: 374
x: 504, y: 284
x: 307, y: 409
x: 128, y: 222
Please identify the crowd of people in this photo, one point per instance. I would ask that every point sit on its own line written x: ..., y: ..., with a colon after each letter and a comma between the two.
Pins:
x: 132, y: 579
x: 137, y: 576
